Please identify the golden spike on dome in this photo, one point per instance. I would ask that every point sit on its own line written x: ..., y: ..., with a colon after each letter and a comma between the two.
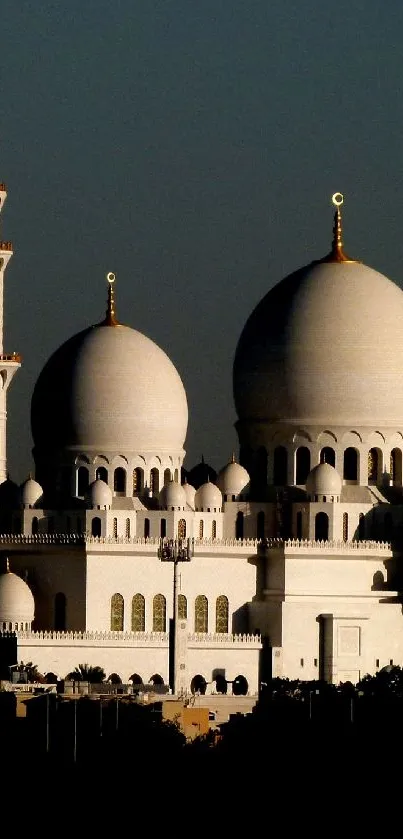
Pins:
x: 233, y: 458
x: 110, y: 319
x: 337, y: 254
x: 7, y: 565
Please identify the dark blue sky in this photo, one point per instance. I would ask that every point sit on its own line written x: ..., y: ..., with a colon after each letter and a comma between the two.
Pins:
x: 191, y: 147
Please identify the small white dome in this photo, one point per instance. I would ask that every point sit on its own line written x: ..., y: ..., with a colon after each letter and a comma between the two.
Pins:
x: 17, y: 604
x: 31, y: 492
x: 99, y: 494
x: 172, y: 495
x: 208, y: 497
x: 232, y: 479
x: 190, y: 493
x: 323, y: 479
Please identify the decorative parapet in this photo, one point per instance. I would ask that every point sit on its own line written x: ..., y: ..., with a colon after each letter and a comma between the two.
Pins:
x: 71, y: 539
x: 136, y: 638
x: 255, y: 544
x: 140, y: 639
x: 87, y: 539
x: 42, y: 539
x: 224, y: 639
x: 333, y: 545
x: 6, y: 246
x: 227, y: 543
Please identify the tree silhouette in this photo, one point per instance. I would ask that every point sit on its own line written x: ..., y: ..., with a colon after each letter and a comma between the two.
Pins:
x: 87, y: 673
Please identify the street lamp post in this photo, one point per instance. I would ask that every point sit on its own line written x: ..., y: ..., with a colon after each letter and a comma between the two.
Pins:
x: 175, y: 551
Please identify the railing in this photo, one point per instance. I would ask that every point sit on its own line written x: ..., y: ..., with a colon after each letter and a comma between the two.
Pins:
x: 339, y: 544
x: 14, y: 356
x: 223, y: 638
x: 52, y: 635
x: 86, y: 538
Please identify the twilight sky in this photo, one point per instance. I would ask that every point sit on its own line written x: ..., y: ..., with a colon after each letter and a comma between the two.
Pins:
x: 190, y: 146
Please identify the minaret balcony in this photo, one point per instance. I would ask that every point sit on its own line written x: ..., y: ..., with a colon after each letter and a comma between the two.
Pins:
x: 14, y: 356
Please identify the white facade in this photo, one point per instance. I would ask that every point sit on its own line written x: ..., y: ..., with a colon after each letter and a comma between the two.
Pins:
x: 288, y: 565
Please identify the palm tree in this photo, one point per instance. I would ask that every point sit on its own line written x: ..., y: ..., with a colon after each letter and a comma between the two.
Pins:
x: 87, y: 673
x: 32, y: 672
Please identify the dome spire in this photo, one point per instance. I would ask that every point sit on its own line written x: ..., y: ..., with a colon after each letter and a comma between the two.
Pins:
x: 110, y: 319
x: 337, y: 254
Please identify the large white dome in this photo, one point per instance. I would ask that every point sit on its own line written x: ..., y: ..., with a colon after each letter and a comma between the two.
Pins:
x: 109, y: 389
x: 324, y: 346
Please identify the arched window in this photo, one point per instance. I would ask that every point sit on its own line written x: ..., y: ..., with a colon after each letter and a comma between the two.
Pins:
x: 182, y: 607
x: 82, y: 481
x: 156, y: 679
x: 260, y: 525
x: 176, y: 476
x: 280, y: 466
x: 328, y: 455
x: 198, y: 685
x: 127, y: 529
x: 102, y: 474
x: 96, y: 526
x: 159, y: 613
x: 201, y: 613
x: 35, y: 525
x: 299, y: 524
x: 321, y: 527
x: 115, y: 528
x: 138, y: 480
x: 119, y: 480
x: 154, y: 480
x: 221, y: 614
x: 201, y: 529
x: 181, y: 529
x: 240, y: 686
x: 303, y: 464
x: 117, y: 613
x: 163, y: 528
x: 239, y: 526
x: 361, y: 526
x: 374, y: 466
x: 79, y: 525
x: 60, y: 612
x: 350, y: 464
x: 221, y: 684
x: 146, y: 528
x: 396, y: 466
x: 135, y: 679
x: 167, y: 476
x: 214, y: 529
x: 138, y: 613
x: 345, y: 527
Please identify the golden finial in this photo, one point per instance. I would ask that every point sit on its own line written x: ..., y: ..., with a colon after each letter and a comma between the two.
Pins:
x: 233, y: 458
x: 110, y: 319
x: 7, y: 565
x: 337, y: 254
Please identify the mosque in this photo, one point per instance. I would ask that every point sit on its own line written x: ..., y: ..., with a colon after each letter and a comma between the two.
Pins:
x: 285, y: 563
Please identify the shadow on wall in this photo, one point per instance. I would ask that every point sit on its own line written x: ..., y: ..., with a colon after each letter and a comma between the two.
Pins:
x: 240, y: 620
x: 383, y: 523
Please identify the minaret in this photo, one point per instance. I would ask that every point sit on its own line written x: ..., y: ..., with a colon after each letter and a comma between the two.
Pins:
x: 9, y: 364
